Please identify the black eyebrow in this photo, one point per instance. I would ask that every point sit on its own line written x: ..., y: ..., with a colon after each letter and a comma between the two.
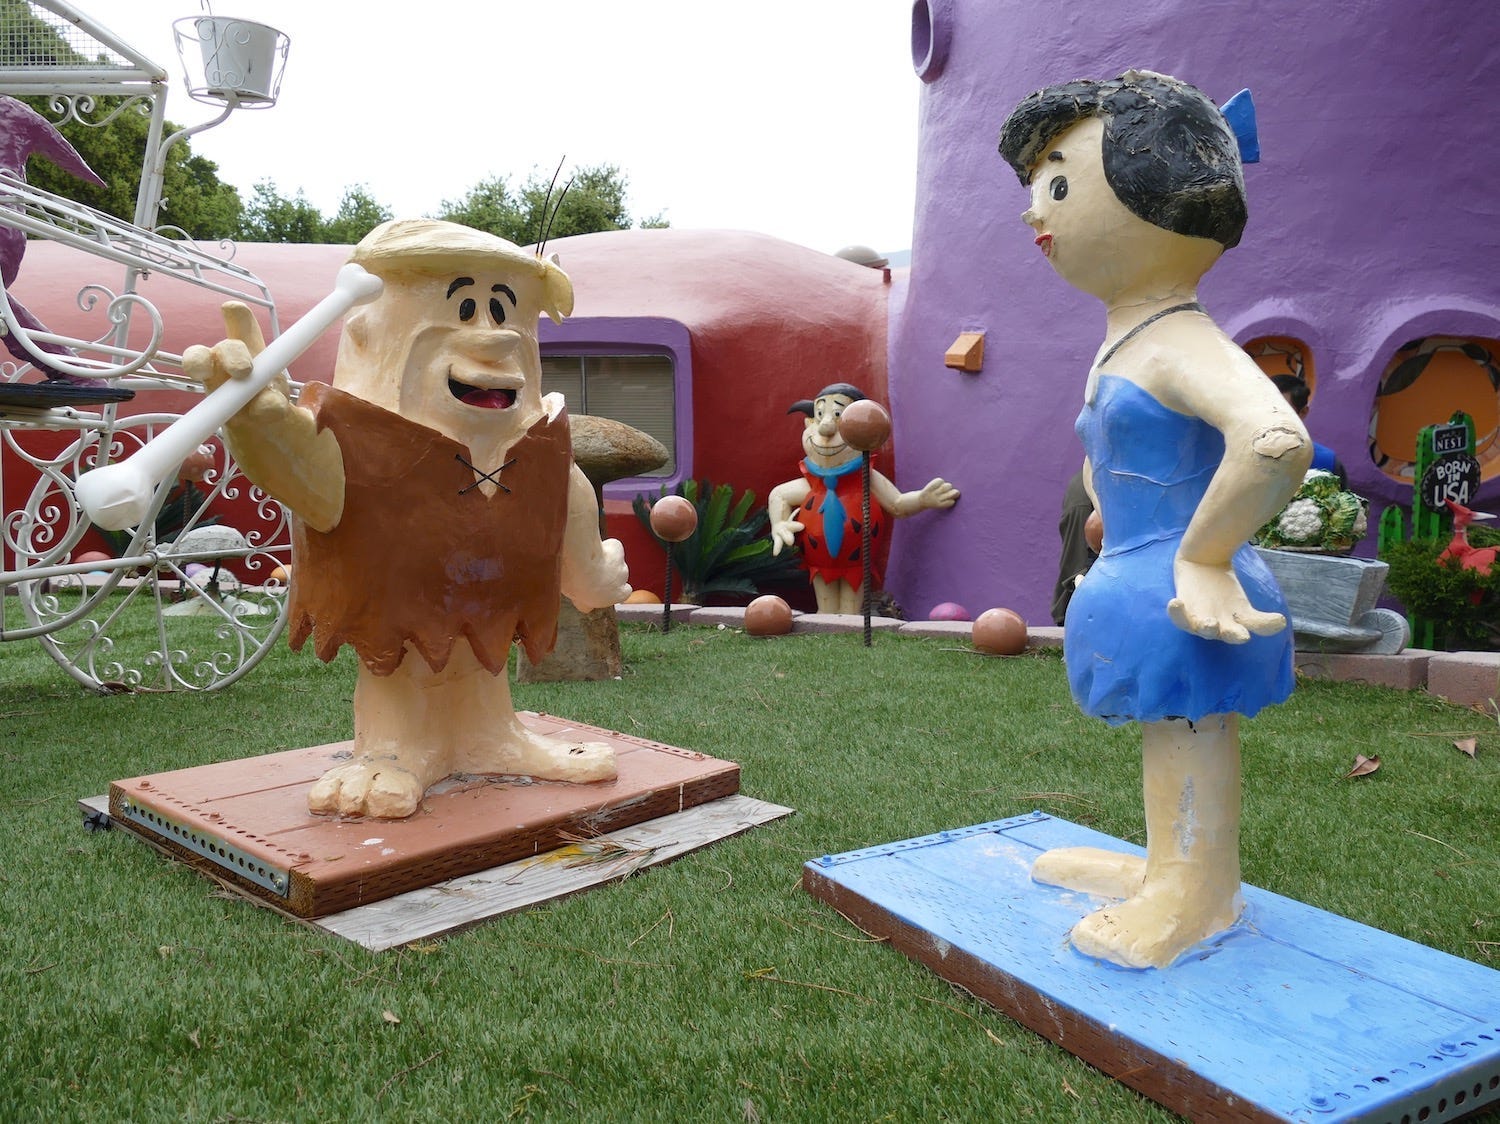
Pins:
x: 506, y: 289
x: 1055, y: 154
x: 459, y: 283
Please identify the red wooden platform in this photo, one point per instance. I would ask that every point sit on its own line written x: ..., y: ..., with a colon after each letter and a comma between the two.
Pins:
x: 247, y: 821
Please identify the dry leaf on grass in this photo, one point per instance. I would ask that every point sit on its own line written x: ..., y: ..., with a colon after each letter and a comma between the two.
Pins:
x: 1467, y: 745
x: 390, y: 1017
x: 1363, y: 766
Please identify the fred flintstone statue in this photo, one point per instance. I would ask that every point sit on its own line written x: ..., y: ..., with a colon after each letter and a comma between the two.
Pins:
x: 438, y: 514
x: 820, y: 511
x: 1136, y: 189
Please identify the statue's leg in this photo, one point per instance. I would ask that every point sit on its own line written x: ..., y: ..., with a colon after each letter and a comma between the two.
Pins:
x: 827, y: 595
x: 487, y: 737
x: 416, y: 726
x: 1191, y: 887
x: 851, y: 598
x: 400, y: 744
x: 1091, y: 870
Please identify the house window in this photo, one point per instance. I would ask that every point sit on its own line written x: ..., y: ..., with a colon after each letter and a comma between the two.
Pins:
x: 638, y: 390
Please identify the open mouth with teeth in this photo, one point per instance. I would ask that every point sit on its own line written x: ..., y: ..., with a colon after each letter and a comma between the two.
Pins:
x: 483, y: 397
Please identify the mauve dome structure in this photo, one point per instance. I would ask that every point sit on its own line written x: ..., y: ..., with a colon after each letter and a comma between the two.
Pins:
x: 1373, y: 237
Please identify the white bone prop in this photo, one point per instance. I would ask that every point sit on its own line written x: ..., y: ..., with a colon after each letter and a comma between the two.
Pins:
x: 118, y: 495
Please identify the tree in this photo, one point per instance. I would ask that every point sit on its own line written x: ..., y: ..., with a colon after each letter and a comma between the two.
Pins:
x: 358, y: 214
x: 272, y: 217
x: 488, y: 206
x: 594, y: 200
x: 194, y: 198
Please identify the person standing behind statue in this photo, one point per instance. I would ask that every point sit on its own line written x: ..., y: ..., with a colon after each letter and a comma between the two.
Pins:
x: 1295, y: 391
x: 1077, y: 554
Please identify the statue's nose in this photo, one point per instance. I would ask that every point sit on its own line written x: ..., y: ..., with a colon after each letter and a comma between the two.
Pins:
x: 488, y: 346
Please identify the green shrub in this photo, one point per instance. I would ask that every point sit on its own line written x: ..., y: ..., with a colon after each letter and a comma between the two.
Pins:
x: 730, y: 552
x: 1463, y: 605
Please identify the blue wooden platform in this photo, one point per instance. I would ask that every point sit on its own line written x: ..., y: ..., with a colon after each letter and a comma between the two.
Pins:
x: 1294, y: 1014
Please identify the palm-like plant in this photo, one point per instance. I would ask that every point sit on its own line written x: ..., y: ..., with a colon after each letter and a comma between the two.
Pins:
x: 730, y: 552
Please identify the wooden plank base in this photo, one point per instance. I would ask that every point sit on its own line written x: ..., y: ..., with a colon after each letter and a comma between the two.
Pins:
x: 1293, y: 1014
x: 459, y: 903
x: 247, y: 821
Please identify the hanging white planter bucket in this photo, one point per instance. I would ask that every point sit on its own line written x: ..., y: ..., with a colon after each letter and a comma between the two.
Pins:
x: 241, y: 59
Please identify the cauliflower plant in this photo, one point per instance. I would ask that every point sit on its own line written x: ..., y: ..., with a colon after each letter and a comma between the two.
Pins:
x: 1319, y: 517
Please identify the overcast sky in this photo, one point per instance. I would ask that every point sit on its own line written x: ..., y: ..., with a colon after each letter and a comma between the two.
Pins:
x: 795, y: 118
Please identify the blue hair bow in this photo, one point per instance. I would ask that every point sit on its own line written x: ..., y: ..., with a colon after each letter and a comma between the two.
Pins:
x: 1239, y: 114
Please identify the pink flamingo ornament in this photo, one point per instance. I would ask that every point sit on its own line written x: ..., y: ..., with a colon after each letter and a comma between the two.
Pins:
x: 1478, y: 559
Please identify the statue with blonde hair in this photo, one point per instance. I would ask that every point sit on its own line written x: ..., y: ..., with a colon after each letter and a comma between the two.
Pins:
x: 438, y: 514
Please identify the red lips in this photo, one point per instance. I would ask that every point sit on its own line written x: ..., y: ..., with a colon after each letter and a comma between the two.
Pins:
x: 1045, y: 242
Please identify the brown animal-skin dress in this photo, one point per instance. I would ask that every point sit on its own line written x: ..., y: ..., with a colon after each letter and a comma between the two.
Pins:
x: 421, y: 555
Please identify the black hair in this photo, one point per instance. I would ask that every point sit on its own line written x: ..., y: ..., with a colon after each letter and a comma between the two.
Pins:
x: 1169, y: 156
x: 806, y: 405
x: 1294, y: 390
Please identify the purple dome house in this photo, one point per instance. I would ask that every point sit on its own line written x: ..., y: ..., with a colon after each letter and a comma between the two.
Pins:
x: 1369, y: 265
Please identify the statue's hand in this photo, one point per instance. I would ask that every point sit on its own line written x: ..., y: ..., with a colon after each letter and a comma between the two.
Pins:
x: 784, y: 532
x: 938, y: 493
x: 214, y: 366
x: 1211, y: 603
x: 606, y: 581
x: 231, y: 358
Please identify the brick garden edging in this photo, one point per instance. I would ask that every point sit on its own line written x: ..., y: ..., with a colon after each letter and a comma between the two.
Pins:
x: 1462, y: 678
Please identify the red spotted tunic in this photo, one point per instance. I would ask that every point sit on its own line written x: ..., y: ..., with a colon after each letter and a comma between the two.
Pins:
x: 831, y: 535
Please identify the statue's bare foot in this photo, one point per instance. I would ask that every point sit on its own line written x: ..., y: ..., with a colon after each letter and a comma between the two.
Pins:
x: 529, y: 754
x: 1091, y: 870
x: 368, y: 786
x: 1154, y: 928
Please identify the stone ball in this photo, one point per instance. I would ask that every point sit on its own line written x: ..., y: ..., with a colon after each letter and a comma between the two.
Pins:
x: 768, y: 616
x: 1093, y: 531
x: 1000, y: 632
x: 674, y: 518
x: 865, y: 425
x: 642, y: 597
x: 949, y: 611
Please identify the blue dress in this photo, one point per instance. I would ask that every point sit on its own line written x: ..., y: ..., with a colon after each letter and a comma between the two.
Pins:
x: 1126, y: 660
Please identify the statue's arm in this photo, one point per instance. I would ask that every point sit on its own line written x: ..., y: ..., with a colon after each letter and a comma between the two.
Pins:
x: 276, y: 443
x: 594, y: 573
x: 783, y: 500
x: 1266, y: 454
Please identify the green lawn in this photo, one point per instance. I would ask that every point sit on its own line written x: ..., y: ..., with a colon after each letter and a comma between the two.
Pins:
x: 140, y: 991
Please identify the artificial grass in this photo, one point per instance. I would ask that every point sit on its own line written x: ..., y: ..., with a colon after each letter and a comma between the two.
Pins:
x: 709, y: 989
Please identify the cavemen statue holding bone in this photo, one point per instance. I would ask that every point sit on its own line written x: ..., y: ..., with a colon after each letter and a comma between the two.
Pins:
x: 439, y: 514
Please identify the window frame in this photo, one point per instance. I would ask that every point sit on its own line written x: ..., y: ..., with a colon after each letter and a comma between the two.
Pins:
x: 600, y: 336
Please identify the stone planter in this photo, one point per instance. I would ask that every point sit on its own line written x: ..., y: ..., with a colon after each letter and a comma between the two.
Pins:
x: 1332, y: 599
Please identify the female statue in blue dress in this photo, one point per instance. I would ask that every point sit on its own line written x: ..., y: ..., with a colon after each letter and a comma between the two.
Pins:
x: 1136, y: 189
